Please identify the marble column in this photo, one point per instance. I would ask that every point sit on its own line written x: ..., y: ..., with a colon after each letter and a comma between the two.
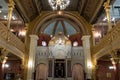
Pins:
x: 87, y: 56
x: 31, y: 60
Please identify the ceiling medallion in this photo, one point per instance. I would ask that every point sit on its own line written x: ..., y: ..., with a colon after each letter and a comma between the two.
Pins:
x: 59, y: 4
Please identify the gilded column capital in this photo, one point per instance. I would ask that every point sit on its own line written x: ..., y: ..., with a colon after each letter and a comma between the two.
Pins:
x: 107, y: 5
x: 11, y: 7
x: 93, y: 28
x: 26, y: 26
x: 11, y: 4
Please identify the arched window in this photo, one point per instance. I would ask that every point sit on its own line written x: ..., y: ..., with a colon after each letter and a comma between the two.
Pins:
x: 75, y: 43
x: 44, y: 43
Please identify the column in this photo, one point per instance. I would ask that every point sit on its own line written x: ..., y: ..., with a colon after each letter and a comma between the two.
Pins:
x: 87, y: 56
x: 26, y: 37
x: 115, y: 61
x: 94, y: 69
x: 31, y: 60
x: 93, y: 33
x: 3, y: 59
x: 107, y: 10
x: 10, y: 10
x: 11, y: 7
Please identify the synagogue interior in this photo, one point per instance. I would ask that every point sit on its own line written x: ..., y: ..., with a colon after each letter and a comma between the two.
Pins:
x: 59, y: 39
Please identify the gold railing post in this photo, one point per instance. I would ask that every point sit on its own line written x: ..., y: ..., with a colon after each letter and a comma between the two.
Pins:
x: 93, y: 33
x: 3, y: 59
x: 107, y: 10
x: 10, y: 11
x: 11, y: 7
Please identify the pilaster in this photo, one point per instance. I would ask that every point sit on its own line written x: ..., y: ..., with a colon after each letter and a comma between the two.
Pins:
x: 87, y: 55
x: 31, y: 60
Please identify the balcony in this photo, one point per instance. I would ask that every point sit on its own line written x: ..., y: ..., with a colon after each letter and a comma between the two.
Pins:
x: 14, y: 44
x: 109, y: 42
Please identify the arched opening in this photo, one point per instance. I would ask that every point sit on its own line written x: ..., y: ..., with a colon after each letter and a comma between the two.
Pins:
x: 62, y: 34
x: 77, y: 72
x: 41, y: 72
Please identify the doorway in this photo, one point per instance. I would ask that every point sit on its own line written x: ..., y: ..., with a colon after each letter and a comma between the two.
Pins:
x: 59, y: 68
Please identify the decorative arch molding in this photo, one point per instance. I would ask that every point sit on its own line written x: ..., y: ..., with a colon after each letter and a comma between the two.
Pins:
x: 44, y: 16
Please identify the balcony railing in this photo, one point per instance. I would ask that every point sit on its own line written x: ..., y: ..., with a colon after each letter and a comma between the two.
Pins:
x: 13, y: 39
x: 108, y: 39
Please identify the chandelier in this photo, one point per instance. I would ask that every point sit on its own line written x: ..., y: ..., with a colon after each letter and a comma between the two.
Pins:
x: 59, y: 4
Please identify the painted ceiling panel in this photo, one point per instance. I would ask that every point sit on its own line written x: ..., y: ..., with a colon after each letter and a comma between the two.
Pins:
x: 59, y: 28
x: 69, y: 28
x: 49, y: 28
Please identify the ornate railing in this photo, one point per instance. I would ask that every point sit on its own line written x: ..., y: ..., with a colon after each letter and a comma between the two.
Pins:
x: 13, y: 39
x: 108, y: 39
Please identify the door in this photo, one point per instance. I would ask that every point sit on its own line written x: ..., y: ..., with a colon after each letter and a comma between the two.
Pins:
x: 59, y: 69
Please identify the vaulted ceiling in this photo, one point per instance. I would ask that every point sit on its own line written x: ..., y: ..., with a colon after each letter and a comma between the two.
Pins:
x: 30, y: 9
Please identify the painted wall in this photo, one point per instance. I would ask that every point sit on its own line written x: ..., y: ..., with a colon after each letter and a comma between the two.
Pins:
x: 14, y: 69
x: 103, y: 71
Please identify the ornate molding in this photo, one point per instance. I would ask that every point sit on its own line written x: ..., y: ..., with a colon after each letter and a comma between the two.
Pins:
x: 45, y: 15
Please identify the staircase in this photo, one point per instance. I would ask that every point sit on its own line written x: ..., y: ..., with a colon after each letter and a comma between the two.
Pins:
x: 59, y: 79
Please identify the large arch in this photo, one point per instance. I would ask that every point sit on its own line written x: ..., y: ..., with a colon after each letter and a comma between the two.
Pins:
x: 45, y: 16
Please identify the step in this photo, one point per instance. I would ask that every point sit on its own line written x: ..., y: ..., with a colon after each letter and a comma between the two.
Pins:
x: 59, y: 79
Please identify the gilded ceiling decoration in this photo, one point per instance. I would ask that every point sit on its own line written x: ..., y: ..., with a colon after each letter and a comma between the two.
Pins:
x: 32, y: 8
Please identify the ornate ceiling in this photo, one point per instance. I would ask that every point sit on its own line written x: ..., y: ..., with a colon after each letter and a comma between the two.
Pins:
x: 32, y: 8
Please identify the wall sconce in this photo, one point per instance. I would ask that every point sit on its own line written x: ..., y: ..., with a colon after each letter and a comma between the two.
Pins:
x: 97, y: 35
x: 90, y: 65
x: 7, y: 65
x: 30, y: 64
x: 22, y: 33
x: 111, y: 67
